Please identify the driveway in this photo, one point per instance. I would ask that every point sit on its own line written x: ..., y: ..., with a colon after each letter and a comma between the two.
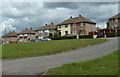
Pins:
x: 37, y: 65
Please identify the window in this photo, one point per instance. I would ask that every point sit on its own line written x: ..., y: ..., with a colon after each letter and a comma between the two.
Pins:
x: 115, y: 25
x: 74, y: 24
x: 25, y: 34
x: 66, y: 26
x: 112, y: 20
x: 66, y: 32
x: 60, y: 26
x: 21, y: 35
x: 92, y: 26
x: 74, y: 32
x: 82, y: 32
x: 81, y: 24
x: 41, y: 31
x: 40, y: 37
x: 46, y: 30
x: 116, y: 20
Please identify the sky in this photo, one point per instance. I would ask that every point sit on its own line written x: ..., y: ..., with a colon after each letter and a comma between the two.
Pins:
x: 17, y: 16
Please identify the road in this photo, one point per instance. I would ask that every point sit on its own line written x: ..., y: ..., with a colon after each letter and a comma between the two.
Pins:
x: 37, y: 65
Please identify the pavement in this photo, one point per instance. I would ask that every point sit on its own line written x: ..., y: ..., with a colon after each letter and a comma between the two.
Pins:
x: 37, y: 65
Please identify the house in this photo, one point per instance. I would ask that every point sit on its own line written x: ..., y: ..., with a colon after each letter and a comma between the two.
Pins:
x: 98, y: 28
x: 26, y: 35
x: 77, y: 25
x: 11, y: 36
x: 1, y: 40
x: 47, y: 30
x: 114, y: 22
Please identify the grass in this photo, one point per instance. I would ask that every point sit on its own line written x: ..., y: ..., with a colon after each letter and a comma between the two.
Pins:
x: 106, y: 65
x: 29, y: 49
x: 0, y: 51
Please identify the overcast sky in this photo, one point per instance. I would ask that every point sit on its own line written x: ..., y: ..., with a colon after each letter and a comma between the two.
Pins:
x: 18, y: 16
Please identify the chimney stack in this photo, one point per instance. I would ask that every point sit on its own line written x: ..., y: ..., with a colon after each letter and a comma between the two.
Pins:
x: 52, y: 23
x: 45, y: 24
x: 70, y: 16
x: 79, y: 15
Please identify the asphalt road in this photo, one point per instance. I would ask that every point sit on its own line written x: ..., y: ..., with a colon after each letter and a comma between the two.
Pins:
x: 37, y: 65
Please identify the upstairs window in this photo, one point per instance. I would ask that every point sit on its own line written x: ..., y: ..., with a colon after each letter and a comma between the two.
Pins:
x: 66, y: 26
x: 81, y: 24
x: 116, y: 20
x: 46, y: 30
x: 41, y: 31
x: 60, y: 26
x: 74, y: 24
x: 92, y: 26
x: 25, y: 34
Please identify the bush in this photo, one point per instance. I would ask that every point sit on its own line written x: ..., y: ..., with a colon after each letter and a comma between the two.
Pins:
x: 113, y: 34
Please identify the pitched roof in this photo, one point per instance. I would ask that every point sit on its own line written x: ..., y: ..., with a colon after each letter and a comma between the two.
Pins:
x: 98, y: 28
x: 76, y: 20
x: 52, y: 26
x: 10, y: 34
x: 27, y: 31
x: 115, y: 16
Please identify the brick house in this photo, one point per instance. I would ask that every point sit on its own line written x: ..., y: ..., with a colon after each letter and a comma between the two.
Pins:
x: 11, y: 36
x: 78, y: 25
x: 26, y: 35
x: 114, y: 22
x: 47, y: 30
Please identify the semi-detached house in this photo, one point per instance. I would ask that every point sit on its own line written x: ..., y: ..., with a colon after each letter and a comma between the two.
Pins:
x: 77, y: 25
x: 26, y: 35
x: 11, y: 36
x: 114, y: 22
x: 47, y: 30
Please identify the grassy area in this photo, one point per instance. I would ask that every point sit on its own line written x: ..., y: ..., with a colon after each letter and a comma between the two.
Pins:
x: 0, y: 51
x: 106, y: 65
x: 45, y: 47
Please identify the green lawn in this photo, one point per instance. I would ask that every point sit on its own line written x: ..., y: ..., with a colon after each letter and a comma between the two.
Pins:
x: 0, y: 51
x: 45, y: 47
x: 106, y: 65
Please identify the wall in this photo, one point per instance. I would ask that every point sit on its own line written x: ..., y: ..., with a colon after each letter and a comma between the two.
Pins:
x: 112, y: 22
x: 63, y: 29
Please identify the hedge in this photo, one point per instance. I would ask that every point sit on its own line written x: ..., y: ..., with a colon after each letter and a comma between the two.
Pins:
x: 70, y: 37
x: 113, y: 34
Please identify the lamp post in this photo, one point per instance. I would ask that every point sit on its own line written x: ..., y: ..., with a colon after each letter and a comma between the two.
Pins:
x: 77, y: 34
x: 5, y: 37
x: 115, y: 32
x: 92, y: 31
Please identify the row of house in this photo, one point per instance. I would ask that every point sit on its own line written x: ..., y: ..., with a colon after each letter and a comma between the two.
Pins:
x: 72, y: 26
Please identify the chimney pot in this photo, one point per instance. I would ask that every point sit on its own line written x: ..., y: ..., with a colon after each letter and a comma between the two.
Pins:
x: 70, y: 16
x: 45, y: 24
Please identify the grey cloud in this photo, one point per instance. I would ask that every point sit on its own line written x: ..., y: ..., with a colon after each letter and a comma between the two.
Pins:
x: 70, y: 5
x: 18, y: 9
x: 35, y: 15
x: 74, y: 5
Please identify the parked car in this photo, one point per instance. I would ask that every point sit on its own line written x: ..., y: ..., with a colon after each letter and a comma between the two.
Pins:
x: 46, y: 39
x: 34, y: 40
x: 100, y: 34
